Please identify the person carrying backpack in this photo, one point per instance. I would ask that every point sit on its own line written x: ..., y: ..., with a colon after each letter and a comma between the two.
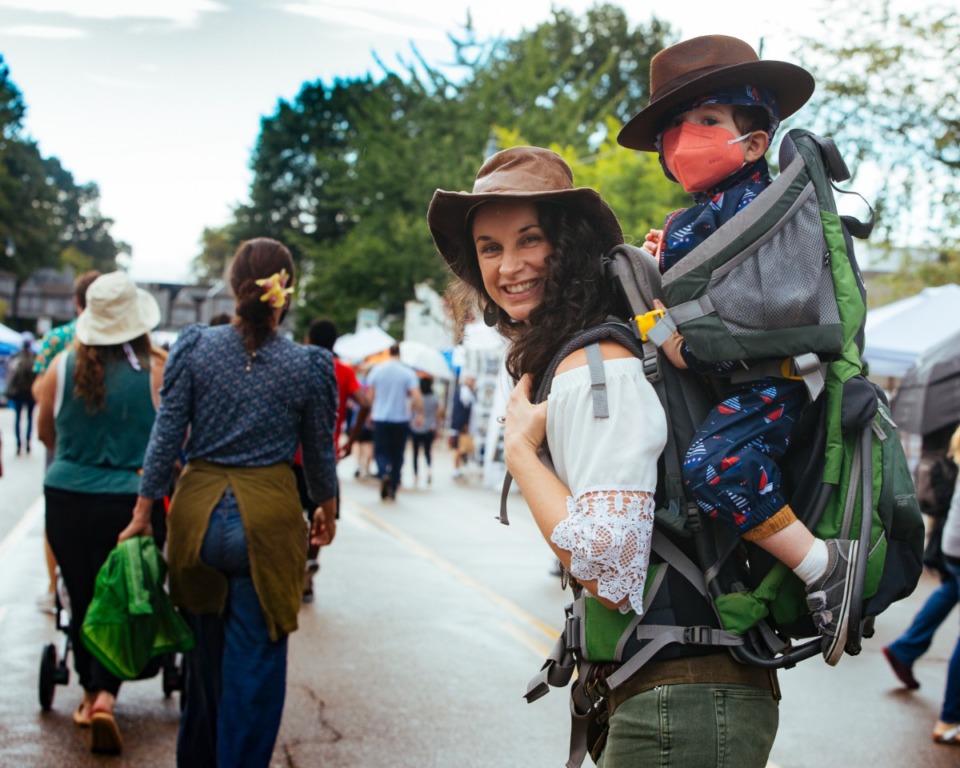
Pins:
x: 714, y: 108
x: 527, y: 245
x: 20, y: 378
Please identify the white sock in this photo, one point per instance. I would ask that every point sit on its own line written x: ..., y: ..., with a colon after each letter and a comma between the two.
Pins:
x: 814, y: 565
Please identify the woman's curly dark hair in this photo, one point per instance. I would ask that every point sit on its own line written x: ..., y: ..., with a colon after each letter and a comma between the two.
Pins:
x: 254, y: 260
x: 91, y: 361
x: 575, y: 294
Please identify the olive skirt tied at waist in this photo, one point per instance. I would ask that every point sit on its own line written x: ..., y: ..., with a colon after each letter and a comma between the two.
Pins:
x: 275, y: 529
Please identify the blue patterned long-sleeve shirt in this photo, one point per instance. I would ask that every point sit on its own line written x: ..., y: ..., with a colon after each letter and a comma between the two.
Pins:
x: 244, y: 410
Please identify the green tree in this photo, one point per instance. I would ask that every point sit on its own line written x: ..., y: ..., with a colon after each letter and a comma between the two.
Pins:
x: 887, y: 90
x: 632, y: 183
x: 219, y: 244
x: 46, y: 219
x: 344, y: 173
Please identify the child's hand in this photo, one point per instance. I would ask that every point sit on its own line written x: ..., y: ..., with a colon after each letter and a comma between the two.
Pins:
x: 652, y: 241
x: 671, y: 347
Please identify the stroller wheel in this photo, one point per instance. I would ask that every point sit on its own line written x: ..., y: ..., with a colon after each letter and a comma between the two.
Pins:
x: 48, y: 676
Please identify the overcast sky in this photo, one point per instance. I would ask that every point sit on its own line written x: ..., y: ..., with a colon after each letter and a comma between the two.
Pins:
x: 159, y: 101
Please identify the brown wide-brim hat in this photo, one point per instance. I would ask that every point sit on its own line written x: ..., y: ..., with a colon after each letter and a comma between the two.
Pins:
x: 703, y: 65
x: 529, y: 174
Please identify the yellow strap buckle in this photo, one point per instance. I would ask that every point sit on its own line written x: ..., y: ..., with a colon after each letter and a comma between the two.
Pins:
x: 786, y: 370
x: 646, y: 321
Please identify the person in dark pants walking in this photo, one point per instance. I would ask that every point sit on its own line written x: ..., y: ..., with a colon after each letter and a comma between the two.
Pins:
x: 422, y: 435
x: 395, y: 389
x: 19, y: 382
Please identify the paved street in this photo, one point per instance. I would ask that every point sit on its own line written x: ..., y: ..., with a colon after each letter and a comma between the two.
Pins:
x: 430, y: 618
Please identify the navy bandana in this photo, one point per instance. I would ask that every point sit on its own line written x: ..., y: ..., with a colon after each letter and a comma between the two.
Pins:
x: 744, y: 96
x: 685, y: 229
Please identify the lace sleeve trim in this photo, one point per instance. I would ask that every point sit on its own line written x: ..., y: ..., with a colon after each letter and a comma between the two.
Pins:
x: 609, y: 536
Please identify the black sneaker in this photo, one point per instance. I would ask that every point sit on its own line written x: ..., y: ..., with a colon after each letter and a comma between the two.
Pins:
x: 385, y: 488
x: 829, y: 598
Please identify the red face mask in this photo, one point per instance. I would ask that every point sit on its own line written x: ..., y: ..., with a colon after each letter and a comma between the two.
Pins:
x: 700, y: 156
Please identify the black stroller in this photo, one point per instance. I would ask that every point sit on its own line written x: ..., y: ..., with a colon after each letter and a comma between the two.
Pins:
x: 54, y: 670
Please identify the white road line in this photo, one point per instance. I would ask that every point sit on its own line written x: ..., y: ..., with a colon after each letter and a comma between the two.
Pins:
x: 519, y: 634
x: 23, y: 526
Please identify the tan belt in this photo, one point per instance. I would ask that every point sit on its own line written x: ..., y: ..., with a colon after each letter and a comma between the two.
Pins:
x: 716, y: 669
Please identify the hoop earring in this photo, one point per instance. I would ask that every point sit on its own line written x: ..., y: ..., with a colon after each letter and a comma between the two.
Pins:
x: 490, y: 314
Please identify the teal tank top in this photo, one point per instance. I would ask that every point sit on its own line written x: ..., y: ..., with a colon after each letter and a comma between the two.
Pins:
x: 102, y: 452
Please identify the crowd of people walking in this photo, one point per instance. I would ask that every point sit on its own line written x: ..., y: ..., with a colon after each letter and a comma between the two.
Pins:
x: 223, y: 450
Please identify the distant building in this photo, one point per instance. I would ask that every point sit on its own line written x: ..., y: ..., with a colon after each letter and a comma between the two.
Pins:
x: 45, y: 300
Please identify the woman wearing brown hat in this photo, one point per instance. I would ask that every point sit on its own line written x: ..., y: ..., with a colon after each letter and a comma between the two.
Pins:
x: 527, y: 245
x: 97, y: 406
x: 236, y: 546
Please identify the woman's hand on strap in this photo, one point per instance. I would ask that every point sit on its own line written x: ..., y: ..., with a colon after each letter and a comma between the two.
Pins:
x: 140, y: 523
x: 525, y: 425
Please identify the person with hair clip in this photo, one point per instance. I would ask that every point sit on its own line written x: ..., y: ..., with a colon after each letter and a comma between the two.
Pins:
x: 527, y: 246
x: 246, y: 396
x: 97, y: 405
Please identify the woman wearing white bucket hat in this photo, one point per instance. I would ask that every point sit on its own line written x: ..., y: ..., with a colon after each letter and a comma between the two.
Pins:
x: 96, y: 411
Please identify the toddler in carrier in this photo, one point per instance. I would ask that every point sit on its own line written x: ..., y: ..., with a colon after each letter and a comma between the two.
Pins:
x: 714, y: 108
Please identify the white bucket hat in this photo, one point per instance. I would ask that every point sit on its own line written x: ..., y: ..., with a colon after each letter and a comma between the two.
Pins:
x: 117, y: 311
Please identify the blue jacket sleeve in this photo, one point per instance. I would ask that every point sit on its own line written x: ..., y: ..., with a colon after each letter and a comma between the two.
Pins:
x: 170, y: 427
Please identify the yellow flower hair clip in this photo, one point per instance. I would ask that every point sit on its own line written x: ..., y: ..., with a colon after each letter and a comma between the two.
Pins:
x: 275, y: 289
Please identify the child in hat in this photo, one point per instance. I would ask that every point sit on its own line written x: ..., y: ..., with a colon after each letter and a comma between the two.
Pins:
x: 714, y: 108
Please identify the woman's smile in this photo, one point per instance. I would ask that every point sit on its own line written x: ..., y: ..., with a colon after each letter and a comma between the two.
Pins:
x: 519, y: 288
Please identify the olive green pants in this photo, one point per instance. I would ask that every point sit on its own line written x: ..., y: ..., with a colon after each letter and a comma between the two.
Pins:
x: 693, y: 725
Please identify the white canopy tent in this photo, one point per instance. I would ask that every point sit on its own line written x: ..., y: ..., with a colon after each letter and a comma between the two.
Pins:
x: 356, y: 347
x: 425, y: 359
x: 898, y: 333
x: 11, y: 342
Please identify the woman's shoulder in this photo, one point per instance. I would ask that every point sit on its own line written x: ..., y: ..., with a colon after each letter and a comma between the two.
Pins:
x: 610, y: 350
x: 188, y: 339
x: 317, y: 359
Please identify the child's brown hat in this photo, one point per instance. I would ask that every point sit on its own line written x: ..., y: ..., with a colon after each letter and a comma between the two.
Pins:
x: 705, y: 64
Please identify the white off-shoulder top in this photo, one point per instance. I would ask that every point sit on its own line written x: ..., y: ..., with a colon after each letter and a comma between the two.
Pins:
x: 610, y: 467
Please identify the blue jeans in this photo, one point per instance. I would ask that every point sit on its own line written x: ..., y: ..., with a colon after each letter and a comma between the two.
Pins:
x: 236, y: 677
x: 950, y: 711
x: 916, y: 640
x: 693, y: 725
x: 423, y: 440
x: 20, y: 405
x: 389, y: 443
